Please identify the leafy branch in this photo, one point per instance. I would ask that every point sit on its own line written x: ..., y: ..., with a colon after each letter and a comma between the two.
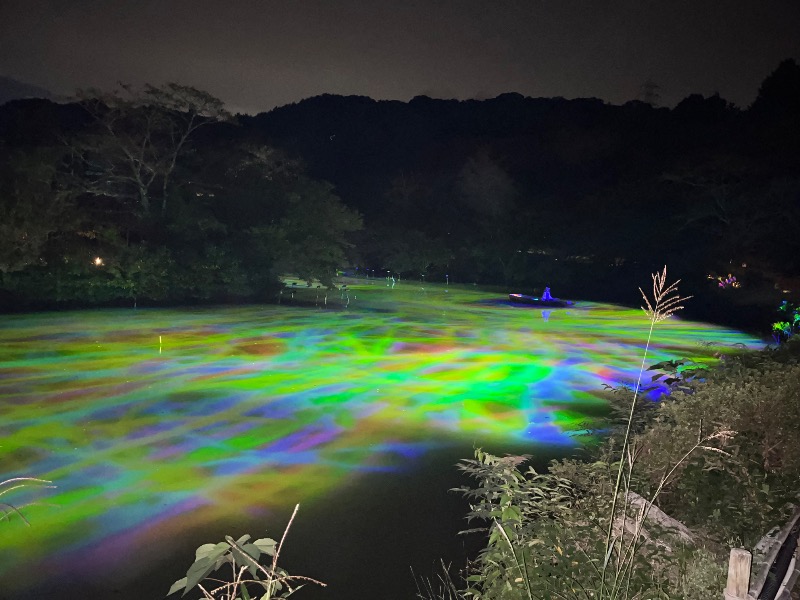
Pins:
x: 244, y: 558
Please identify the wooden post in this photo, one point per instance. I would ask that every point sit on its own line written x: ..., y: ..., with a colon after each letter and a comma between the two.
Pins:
x: 738, y: 574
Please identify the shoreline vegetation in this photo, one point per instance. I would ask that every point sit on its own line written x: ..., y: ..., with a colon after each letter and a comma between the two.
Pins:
x: 654, y: 509
x: 751, y: 310
x: 159, y: 196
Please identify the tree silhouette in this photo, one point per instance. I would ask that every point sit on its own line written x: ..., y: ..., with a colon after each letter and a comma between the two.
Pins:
x: 139, y: 135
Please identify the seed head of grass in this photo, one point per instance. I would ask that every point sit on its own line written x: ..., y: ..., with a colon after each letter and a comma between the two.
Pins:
x: 666, y: 300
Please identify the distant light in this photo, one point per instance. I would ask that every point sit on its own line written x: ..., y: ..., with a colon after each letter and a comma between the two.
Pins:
x: 98, y: 262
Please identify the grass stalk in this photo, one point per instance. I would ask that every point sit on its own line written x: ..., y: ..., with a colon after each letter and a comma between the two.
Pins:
x: 666, y: 301
x: 521, y: 567
x: 9, y: 485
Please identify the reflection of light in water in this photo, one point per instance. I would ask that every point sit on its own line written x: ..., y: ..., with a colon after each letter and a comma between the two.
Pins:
x: 241, y: 410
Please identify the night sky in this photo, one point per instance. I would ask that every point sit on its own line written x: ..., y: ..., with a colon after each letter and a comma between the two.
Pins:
x: 258, y: 54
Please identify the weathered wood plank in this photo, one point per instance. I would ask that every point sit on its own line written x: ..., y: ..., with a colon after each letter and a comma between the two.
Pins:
x: 738, y: 574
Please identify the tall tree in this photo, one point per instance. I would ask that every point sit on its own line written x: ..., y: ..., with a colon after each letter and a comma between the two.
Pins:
x: 311, y: 238
x: 496, y: 231
x: 138, y: 137
x: 33, y: 204
x: 485, y: 187
x: 779, y: 94
x: 411, y: 252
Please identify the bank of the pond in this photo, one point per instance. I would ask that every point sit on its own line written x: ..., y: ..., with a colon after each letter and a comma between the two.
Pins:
x: 739, y: 482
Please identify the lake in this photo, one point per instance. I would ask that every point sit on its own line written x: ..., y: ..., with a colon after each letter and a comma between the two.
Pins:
x: 167, y: 428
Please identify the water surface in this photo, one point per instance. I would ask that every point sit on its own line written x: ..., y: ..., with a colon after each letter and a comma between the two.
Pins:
x: 165, y: 429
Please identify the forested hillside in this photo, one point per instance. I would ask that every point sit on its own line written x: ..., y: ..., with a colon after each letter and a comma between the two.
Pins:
x: 160, y: 196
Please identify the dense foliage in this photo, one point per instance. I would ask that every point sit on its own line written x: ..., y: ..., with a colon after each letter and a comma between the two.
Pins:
x: 247, y: 577
x: 129, y: 204
x: 721, y: 454
x: 497, y: 190
x: 183, y: 202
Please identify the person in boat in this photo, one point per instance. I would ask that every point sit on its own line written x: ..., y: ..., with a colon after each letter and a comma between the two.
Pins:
x: 546, y: 294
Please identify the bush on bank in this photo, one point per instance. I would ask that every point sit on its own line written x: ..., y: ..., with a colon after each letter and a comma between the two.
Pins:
x: 721, y: 457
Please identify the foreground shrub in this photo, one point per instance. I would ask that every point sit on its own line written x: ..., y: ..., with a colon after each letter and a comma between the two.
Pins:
x: 547, y: 537
x: 247, y: 573
x: 737, y: 496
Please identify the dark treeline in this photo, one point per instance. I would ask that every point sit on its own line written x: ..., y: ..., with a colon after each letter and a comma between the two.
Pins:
x: 182, y: 202
x: 155, y: 196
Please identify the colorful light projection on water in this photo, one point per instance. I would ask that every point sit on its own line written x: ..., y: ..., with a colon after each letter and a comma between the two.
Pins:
x: 155, y: 421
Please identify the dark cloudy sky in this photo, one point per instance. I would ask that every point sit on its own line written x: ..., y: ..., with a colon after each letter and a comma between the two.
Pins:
x: 256, y: 54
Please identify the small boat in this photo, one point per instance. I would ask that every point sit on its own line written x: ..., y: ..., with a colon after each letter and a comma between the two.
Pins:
x: 536, y: 301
